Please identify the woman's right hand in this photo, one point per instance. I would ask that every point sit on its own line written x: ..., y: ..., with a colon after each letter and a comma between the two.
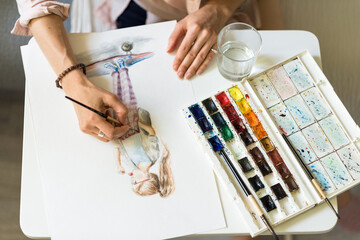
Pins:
x: 76, y: 85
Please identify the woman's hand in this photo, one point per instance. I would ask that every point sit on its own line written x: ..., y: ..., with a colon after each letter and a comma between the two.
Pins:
x: 196, y: 35
x: 50, y: 34
x: 77, y: 86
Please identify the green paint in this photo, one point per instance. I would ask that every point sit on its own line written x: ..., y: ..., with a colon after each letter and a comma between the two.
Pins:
x: 226, y: 133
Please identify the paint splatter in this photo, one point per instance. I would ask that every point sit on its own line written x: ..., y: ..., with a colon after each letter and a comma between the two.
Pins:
x: 299, y: 75
x: 321, y: 176
x: 316, y: 103
x: 265, y: 90
x: 351, y: 158
x: 247, y: 96
x: 334, y: 132
x: 336, y: 170
x: 317, y: 140
x: 302, y: 147
x: 282, y: 82
x: 283, y: 119
x: 299, y: 111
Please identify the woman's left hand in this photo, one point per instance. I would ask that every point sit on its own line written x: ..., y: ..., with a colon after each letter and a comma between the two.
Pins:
x: 196, y: 35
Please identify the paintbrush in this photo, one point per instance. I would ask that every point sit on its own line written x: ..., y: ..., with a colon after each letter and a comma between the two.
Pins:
x: 311, y: 177
x: 247, y: 192
x: 96, y: 111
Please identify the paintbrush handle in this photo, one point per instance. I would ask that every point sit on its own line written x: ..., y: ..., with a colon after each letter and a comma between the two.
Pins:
x: 113, y: 120
x: 318, y: 188
x: 298, y: 157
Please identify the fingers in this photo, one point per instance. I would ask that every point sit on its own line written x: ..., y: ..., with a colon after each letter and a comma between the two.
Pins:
x: 207, y: 61
x: 175, y: 37
x: 184, y: 48
x: 92, y: 132
x: 194, y: 60
x: 120, y: 109
x: 110, y: 131
x: 193, y: 51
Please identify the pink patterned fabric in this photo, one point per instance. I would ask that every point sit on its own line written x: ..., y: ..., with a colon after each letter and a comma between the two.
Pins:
x: 30, y: 9
x: 125, y: 92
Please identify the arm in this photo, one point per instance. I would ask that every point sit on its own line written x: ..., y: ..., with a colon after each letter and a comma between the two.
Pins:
x: 50, y: 34
x: 196, y: 34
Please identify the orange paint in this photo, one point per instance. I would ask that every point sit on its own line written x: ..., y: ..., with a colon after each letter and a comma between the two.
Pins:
x: 252, y: 119
x: 259, y: 131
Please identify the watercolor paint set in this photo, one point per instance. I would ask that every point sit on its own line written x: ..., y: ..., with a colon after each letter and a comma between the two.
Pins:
x: 242, y: 130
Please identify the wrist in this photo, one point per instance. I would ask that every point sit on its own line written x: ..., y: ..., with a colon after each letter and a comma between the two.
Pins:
x: 73, y: 81
x: 226, y: 8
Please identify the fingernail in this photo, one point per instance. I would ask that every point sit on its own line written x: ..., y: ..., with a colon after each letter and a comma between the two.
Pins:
x: 175, y: 67
x: 188, y: 75
x: 180, y: 74
x: 199, y: 72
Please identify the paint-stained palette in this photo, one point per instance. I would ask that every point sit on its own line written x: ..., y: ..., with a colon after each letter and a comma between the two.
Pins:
x: 301, y: 112
x: 246, y: 121
x: 230, y: 121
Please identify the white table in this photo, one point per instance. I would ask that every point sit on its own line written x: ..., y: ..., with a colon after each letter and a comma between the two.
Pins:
x: 277, y: 46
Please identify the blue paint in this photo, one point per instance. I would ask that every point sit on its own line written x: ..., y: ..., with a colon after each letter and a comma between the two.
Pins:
x: 321, y: 176
x: 299, y: 75
x: 204, y: 124
x: 302, y: 147
x: 300, y: 111
x: 336, y: 170
x: 216, y: 143
x: 316, y: 103
x: 196, y: 111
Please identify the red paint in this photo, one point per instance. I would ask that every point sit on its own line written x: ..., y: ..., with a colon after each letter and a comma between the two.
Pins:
x: 238, y: 125
x: 283, y: 131
x: 223, y: 99
x: 231, y: 112
x: 282, y: 115
x: 247, y: 96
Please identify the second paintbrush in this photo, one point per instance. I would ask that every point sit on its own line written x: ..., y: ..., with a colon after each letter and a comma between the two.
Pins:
x: 311, y: 177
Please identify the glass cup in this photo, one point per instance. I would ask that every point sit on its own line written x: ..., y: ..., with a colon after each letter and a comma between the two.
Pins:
x: 238, y: 47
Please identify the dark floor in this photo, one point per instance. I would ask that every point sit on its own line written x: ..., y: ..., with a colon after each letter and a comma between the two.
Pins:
x: 11, y: 125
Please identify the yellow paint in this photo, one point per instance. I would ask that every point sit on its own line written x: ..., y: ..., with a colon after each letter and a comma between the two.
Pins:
x: 235, y: 93
x: 244, y: 106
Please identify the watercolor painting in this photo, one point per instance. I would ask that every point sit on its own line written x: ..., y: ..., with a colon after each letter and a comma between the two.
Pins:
x: 351, y: 159
x: 138, y: 150
x: 266, y: 90
x: 317, y: 139
x: 282, y: 82
x: 321, y: 176
x: 302, y: 147
x: 284, y: 119
x: 299, y: 75
x: 334, y: 132
x: 336, y: 170
x: 316, y: 103
x: 299, y: 111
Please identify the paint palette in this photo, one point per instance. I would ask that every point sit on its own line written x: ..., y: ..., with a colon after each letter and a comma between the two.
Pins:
x: 245, y: 122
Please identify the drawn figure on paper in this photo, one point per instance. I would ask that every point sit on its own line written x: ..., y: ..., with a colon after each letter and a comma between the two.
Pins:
x: 140, y: 150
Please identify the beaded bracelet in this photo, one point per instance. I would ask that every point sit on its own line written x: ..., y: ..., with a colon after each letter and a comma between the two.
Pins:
x: 69, y: 69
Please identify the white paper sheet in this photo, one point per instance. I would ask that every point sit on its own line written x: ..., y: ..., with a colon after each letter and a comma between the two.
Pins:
x: 85, y: 196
